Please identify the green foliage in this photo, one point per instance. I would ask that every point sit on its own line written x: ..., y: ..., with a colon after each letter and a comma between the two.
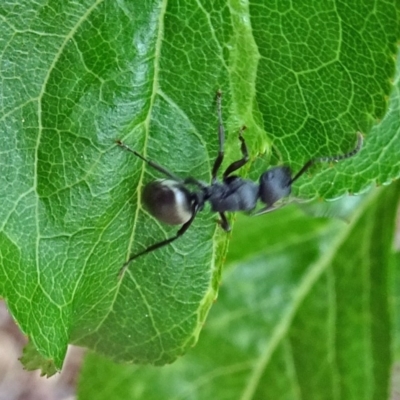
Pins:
x: 77, y: 76
x: 33, y: 360
x: 304, y: 312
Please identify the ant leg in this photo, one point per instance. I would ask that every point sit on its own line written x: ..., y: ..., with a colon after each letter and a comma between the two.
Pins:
x: 156, y: 166
x: 221, y: 139
x: 239, y: 164
x: 224, y: 222
x: 163, y: 243
x: 267, y: 209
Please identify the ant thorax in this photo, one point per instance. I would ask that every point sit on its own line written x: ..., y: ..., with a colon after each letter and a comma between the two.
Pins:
x: 233, y: 194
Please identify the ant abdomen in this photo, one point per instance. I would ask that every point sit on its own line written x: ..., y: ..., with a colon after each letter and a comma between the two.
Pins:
x: 168, y: 201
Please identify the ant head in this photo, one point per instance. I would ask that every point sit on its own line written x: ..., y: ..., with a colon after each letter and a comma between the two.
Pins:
x: 275, y: 184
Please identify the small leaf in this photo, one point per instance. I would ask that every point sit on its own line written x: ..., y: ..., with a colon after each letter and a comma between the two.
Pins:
x: 31, y: 360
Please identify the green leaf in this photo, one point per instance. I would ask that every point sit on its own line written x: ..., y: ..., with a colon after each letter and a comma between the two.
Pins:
x: 77, y: 76
x: 378, y: 163
x: 309, y: 319
x: 396, y: 301
x: 32, y: 360
x: 305, y: 316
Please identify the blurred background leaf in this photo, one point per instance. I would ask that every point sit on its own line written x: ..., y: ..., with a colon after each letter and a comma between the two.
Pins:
x: 304, y: 312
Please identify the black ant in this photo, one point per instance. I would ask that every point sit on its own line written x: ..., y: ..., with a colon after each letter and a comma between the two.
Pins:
x: 171, y: 201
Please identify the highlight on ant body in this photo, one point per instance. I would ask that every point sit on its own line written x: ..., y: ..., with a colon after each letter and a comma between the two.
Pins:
x: 173, y: 200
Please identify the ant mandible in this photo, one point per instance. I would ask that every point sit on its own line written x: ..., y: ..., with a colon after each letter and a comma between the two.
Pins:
x: 172, y: 202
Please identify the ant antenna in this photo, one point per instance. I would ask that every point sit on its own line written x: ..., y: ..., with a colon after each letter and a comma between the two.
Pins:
x: 338, y: 157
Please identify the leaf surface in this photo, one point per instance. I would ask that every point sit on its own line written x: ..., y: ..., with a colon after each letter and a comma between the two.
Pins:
x: 306, y: 315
